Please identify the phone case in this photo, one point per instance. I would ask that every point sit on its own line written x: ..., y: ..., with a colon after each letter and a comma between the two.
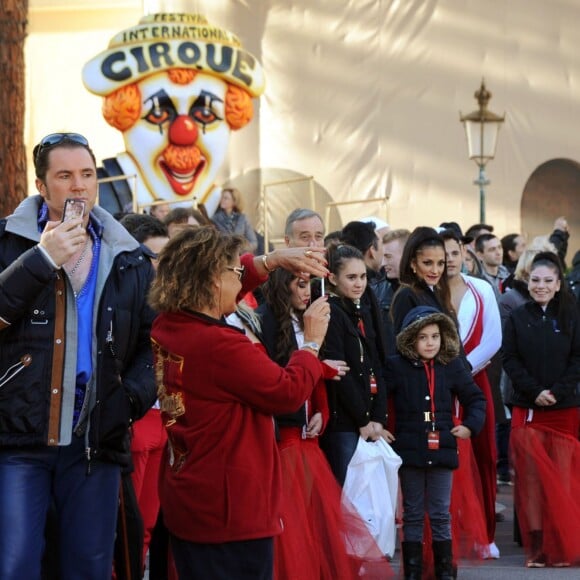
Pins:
x: 73, y: 208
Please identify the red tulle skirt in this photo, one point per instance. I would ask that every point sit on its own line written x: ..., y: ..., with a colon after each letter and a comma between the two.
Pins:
x: 317, y: 530
x: 545, y: 455
x: 468, y: 523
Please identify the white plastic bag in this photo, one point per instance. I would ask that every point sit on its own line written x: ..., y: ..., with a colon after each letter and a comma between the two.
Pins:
x: 371, y: 486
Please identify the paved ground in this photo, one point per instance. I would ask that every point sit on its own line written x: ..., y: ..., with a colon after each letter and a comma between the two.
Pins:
x: 511, y: 563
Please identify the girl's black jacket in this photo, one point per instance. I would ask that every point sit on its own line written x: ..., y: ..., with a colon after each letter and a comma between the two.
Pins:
x: 409, y: 389
x: 537, y: 354
x: 350, y: 401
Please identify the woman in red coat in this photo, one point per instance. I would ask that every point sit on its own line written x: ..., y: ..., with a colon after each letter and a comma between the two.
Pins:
x: 220, y: 479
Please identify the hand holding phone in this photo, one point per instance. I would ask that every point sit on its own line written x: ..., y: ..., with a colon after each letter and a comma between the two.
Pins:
x: 73, y: 208
x: 316, y: 288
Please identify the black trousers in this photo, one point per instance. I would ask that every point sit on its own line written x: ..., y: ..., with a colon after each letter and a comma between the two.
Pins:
x: 244, y: 560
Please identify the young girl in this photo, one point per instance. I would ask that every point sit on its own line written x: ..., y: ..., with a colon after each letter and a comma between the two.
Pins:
x: 312, y: 546
x: 358, y: 403
x: 423, y: 381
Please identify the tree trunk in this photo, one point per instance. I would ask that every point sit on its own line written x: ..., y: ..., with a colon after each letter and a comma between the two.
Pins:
x: 13, y: 26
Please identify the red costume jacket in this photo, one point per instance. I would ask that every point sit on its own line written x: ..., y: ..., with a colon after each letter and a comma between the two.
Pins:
x: 220, y: 477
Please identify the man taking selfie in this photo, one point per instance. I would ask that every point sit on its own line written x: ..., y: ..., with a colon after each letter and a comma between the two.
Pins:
x: 75, y: 365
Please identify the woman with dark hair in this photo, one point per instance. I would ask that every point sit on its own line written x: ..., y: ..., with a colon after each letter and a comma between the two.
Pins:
x: 422, y: 276
x: 286, y: 297
x: 513, y: 246
x: 312, y: 546
x: 541, y: 355
x: 184, y: 217
x: 220, y: 485
x: 358, y: 403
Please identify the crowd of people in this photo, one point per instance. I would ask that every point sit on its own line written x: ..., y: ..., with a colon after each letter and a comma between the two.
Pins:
x: 165, y: 391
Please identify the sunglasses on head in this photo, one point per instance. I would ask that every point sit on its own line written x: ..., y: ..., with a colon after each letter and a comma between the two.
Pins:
x: 58, y: 138
x: 239, y: 270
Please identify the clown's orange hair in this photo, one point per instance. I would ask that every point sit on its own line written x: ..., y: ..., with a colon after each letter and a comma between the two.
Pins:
x: 122, y: 108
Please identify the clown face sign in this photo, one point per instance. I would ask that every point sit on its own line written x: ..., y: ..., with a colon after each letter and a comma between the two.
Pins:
x: 175, y: 87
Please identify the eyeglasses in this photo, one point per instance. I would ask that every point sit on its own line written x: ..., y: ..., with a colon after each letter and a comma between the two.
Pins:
x: 239, y: 270
x: 58, y: 138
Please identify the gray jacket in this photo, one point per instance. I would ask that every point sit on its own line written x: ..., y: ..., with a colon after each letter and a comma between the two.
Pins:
x: 38, y: 339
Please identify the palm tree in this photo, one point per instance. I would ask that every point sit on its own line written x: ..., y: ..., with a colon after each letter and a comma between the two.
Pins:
x: 13, y: 27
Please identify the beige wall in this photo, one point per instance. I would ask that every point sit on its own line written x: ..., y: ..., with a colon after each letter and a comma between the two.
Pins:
x: 363, y: 95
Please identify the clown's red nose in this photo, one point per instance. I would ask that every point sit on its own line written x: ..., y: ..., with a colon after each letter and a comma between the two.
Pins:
x: 183, y: 131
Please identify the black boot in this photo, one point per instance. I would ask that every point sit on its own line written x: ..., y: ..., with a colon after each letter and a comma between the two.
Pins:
x: 537, y: 558
x: 443, y: 556
x: 413, y: 560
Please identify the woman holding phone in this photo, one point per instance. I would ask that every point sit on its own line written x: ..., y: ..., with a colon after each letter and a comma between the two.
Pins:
x: 312, y: 546
x: 220, y: 484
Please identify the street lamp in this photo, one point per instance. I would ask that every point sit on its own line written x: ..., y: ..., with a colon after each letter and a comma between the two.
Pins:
x: 481, y: 128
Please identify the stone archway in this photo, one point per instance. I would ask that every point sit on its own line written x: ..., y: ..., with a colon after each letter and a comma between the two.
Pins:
x: 553, y: 190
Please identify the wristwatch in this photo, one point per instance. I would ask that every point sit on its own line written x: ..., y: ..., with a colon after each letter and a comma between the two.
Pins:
x: 314, y: 346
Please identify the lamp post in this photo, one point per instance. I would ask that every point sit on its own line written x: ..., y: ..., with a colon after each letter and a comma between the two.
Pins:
x: 481, y: 129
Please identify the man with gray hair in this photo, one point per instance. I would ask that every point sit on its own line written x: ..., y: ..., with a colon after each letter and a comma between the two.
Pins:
x: 304, y: 228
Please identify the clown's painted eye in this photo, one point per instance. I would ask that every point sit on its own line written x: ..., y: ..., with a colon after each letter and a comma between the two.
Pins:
x: 205, y: 109
x: 161, y: 111
x: 157, y: 117
x: 203, y: 115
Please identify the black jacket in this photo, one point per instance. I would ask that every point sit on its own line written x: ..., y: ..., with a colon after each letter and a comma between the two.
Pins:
x: 538, y: 355
x: 560, y: 239
x: 407, y: 298
x: 384, y: 290
x: 269, y: 335
x: 573, y: 277
x: 351, y: 404
x: 408, y: 387
x: 38, y: 334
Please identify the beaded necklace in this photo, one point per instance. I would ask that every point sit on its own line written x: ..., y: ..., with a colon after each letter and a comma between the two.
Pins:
x: 80, y: 260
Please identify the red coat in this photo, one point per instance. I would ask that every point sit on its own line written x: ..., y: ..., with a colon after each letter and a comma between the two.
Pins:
x: 220, y: 478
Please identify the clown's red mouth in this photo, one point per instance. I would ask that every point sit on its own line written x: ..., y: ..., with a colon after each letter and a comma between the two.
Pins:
x: 182, y: 183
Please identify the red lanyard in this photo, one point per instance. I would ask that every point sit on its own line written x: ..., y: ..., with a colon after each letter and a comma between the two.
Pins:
x: 360, y: 324
x: 430, y: 372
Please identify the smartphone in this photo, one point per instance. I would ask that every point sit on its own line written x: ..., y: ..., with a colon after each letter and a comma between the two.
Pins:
x: 316, y: 288
x: 73, y: 208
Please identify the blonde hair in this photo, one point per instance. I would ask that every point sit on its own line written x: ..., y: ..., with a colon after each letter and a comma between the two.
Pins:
x: 400, y: 234
x: 524, y: 265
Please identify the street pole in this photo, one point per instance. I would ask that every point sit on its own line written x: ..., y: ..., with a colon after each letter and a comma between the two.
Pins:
x: 481, y: 182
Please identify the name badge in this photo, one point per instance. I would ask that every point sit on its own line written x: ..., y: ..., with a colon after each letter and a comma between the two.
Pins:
x: 433, y: 440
